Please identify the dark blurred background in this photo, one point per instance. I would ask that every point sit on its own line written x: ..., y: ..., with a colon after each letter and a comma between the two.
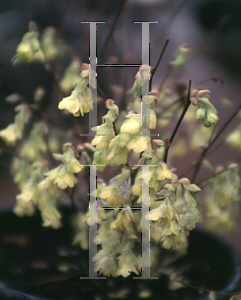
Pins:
x: 211, y: 27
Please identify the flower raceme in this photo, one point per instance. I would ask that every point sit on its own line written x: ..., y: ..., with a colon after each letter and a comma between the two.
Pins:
x: 14, y: 131
x: 223, y: 196
x: 176, y: 214
x: 141, y: 79
x: 180, y: 56
x: 44, y: 49
x: 104, y: 134
x: 80, y: 101
x: 63, y: 175
x: 206, y: 111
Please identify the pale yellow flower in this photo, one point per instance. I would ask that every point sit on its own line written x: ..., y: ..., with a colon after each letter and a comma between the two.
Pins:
x: 117, y: 155
x: 127, y: 264
x: 22, y: 209
x: 180, y: 56
x: 11, y: 134
x: 123, y: 220
x: 47, y: 185
x: 29, y: 46
x: 104, y: 134
x: 61, y: 177
x: 77, y: 103
x: 112, y: 194
x: 69, y: 159
x: 142, y: 77
x: 50, y: 215
x: 132, y: 125
x: 105, y: 263
x: 34, y: 147
x: 103, y: 231
x: 82, y: 232
x: 14, y: 131
x: 163, y: 173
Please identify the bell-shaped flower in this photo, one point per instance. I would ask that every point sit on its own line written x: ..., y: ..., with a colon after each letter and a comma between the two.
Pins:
x: 47, y: 205
x: 11, y: 134
x: 206, y: 111
x: 103, y: 231
x: 171, y: 236
x: 63, y: 175
x: 29, y: 46
x: 123, y: 220
x: 22, y: 209
x: 36, y: 145
x: 163, y: 173
x: 80, y: 101
x: 30, y: 191
x: 21, y: 170
x: 117, y: 155
x: 180, y: 56
x: 112, y: 195
x: 140, y: 144
x: 14, y: 131
x: 81, y: 237
x: 133, y: 123
x: 142, y: 79
x: 105, y: 263
x: 127, y: 264
x: 234, y: 139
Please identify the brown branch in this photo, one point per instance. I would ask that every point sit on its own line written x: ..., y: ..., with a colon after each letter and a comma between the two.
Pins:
x: 101, y: 92
x: 179, y: 121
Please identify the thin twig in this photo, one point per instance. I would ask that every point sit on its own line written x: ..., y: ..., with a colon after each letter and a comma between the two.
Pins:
x: 179, y: 121
x: 160, y: 57
x: 159, y: 60
x: 101, y: 92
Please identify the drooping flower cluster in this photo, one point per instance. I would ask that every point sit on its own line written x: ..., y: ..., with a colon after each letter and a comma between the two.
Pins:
x: 40, y: 191
x: 44, y: 49
x: 14, y: 131
x: 29, y: 45
x: 176, y: 215
x: 234, y: 139
x: 180, y: 56
x: 80, y: 101
x: 206, y: 111
x: 33, y: 194
x: 117, y: 247
x: 36, y: 145
x: 63, y: 175
x: 223, y: 196
x: 115, y: 232
x: 104, y: 135
x: 130, y: 136
x: 141, y: 79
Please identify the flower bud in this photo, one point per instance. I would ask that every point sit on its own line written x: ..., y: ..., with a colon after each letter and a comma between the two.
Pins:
x: 200, y: 113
